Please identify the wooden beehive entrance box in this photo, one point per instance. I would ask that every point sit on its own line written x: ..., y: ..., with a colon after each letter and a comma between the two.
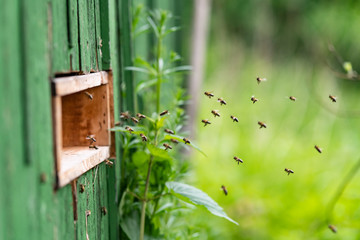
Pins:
x: 82, y: 107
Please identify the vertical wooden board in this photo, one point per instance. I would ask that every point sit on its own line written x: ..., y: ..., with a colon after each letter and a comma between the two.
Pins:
x: 63, y: 223
x: 103, y: 200
x: 105, y: 34
x: 73, y: 31
x: 126, y: 53
x: 85, y: 54
x: 12, y: 150
x: 98, y: 41
x: 91, y: 34
x: 82, y: 205
x: 59, y: 27
x: 38, y: 119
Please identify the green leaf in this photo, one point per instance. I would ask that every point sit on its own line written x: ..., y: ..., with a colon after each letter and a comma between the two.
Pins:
x: 137, y: 69
x: 140, y: 158
x: 147, y: 65
x: 198, y: 197
x: 160, y: 122
x: 159, y: 153
x: 177, y: 69
x: 180, y: 138
x: 145, y: 84
x: 130, y: 225
x: 348, y: 67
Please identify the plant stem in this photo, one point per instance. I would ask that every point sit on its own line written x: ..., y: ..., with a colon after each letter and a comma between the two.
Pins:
x: 159, y: 74
x: 144, y: 201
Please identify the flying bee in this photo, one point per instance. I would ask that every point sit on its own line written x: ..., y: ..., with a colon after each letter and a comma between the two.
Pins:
x: 93, y: 146
x: 261, y: 124
x: 87, y: 213
x: 222, y: 101
x: 209, y: 94
x: 235, y: 119
x: 186, y: 141
x: 104, y: 210
x: 173, y: 140
x: 135, y: 120
x: 125, y: 115
x: 143, y: 137
x: 254, y: 99
x: 259, y: 80
x: 109, y: 163
x: 333, y: 98
x: 206, y: 122
x: 318, y: 149
x: 140, y: 116
x: 224, y: 190
x: 164, y: 112
x: 169, y: 131
x: 288, y: 171
x: 89, y: 95
x: 238, y: 160
x: 167, y: 146
x: 332, y: 228
x: 91, y: 138
x: 129, y: 129
x: 292, y: 98
x: 215, y: 113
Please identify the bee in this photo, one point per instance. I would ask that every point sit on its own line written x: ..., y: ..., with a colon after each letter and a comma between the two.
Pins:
x: 82, y: 188
x: 209, y: 94
x: 93, y: 146
x: 109, y: 163
x: 206, y: 122
x: 222, y: 101
x: 292, y: 98
x: 89, y: 95
x: 332, y: 228
x: 164, y: 112
x: 173, y: 140
x: 43, y: 178
x: 318, y: 149
x: 140, y: 116
x: 259, y: 80
x: 333, y: 98
x: 224, y: 190
x: 235, y: 119
x: 87, y: 213
x: 168, y: 131
x: 167, y: 146
x: 104, y: 210
x: 254, y: 99
x: 215, y: 113
x: 187, y: 141
x: 91, y: 138
x: 288, y: 171
x: 261, y: 124
x: 238, y: 160
x: 143, y: 137
x: 125, y: 115
x: 117, y: 123
x: 129, y: 129
x: 135, y: 120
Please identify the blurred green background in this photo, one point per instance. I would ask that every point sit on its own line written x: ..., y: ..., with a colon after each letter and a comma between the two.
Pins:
x: 287, y: 43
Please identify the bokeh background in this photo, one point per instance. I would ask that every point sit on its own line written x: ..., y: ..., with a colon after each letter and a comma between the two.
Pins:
x: 300, y: 47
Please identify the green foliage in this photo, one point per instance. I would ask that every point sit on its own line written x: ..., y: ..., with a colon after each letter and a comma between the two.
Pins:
x: 148, y: 209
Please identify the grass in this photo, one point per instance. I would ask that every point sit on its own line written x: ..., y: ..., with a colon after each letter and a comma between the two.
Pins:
x: 267, y: 203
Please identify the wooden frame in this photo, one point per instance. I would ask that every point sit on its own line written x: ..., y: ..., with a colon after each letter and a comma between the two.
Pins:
x: 82, y: 106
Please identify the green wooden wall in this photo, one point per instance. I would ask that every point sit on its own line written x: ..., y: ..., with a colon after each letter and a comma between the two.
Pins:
x: 41, y: 39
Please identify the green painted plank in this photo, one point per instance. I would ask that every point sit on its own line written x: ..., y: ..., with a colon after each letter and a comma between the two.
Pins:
x: 85, y: 51
x: 91, y: 34
x: 60, y: 43
x: 104, y: 202
x: 98, y: 40
x: 38, y: 117
x: 12, y: 150
x: 126, y: 53
x: 105, y: 34
x: 63, y: 223
x: 73, y: 31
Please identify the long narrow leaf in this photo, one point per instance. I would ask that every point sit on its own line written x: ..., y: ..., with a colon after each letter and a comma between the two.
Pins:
x: 178, y: 69
x: 198, y: 197
x: 145, y: 84
x: 137, y: 69
x: 153, y: 25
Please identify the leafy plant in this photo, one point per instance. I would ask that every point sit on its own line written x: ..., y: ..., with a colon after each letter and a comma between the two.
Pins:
x: 153, y: 197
